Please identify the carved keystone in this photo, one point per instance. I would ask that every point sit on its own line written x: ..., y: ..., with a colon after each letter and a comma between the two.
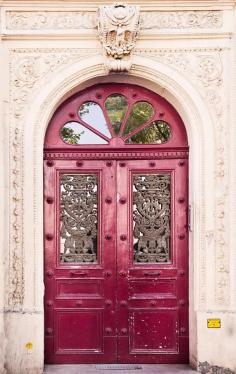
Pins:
x: 118, y: 26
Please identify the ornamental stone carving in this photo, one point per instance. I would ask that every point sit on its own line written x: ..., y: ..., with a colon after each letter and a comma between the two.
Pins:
x: 79, y: 20
x: 118, y: 27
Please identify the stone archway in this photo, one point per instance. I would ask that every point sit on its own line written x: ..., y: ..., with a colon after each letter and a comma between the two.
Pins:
x: 186, y: 100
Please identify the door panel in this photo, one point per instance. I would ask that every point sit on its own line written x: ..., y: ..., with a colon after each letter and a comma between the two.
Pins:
x: 116, y: 261
x: 79, y: 275
x: 153, y: 286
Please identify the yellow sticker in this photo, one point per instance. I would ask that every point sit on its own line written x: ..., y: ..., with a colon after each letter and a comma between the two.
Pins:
x: 29, y: 345
x: 214, y: 323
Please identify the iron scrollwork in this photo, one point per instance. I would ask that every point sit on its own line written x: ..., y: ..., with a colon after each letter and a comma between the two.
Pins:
x: 79, y: 218
x: 151, y: 215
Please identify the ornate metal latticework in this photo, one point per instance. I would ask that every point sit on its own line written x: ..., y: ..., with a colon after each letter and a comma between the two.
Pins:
x: 151, y: 211
x: 79, y: 218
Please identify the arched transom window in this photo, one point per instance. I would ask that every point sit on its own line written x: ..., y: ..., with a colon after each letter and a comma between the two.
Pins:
x: 115, y: 114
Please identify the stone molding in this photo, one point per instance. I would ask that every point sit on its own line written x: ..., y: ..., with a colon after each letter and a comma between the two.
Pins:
x: 31, y: 68
x: 31, y: 20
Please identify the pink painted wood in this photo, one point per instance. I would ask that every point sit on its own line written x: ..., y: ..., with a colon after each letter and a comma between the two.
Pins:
x: 116, y: 310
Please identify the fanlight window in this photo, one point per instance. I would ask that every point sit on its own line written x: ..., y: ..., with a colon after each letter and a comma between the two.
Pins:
x: 136, y: 123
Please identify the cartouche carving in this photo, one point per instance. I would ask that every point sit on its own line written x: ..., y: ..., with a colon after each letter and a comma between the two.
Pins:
x: 118, y: 27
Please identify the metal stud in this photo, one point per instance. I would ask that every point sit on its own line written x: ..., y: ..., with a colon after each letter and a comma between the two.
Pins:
x: 124, y: 331
x: 152, y: 163
x: 108, y: 273
x: 50, y: 163
x: 49, y: 331
x: 49, y: 200
x: 49, y: 273
x: 122, y: 164
x: 123, y: 237
x: 108, y: 330
x: 181, y: 236
x: 122, y: 273
x: 181, y: 200
x: 181, y: 163
x: 108, y: 200
x: 79, y: 163
x: 49, y: 237
x: 122, y: 200
x: 108, y: 237
x: 108, y: 302
x: 109, y: 163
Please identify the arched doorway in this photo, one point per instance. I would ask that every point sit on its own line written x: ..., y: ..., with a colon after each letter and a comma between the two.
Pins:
x: 116, y: 211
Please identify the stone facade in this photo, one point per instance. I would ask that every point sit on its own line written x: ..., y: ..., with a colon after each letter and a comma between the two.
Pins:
x: 186, y: 52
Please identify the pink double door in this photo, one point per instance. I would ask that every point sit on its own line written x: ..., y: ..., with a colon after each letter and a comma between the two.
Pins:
x: 116, y: 261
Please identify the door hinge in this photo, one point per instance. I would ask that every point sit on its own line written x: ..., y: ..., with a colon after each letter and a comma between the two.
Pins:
x: 190, y: 218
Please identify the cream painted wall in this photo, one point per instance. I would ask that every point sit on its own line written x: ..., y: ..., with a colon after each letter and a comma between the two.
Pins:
x: 189, y: 57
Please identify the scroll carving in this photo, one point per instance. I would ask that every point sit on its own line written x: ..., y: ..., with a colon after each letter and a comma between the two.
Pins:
x: 78, y: 218
x: 79, y: 20
x: 118, y: 27
x: 181, y: 20
x: 151, y: 209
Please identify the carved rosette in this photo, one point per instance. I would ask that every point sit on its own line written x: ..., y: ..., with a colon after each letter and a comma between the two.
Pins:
x: 118, y: 27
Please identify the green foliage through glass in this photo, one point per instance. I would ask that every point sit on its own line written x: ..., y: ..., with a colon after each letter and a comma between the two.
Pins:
x: 141, y: 112
x: 116, y: 106
x: 158, y: 132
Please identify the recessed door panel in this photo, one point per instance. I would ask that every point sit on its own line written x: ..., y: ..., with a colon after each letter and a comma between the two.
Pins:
x: 78, y: 331
x: 153, y: 331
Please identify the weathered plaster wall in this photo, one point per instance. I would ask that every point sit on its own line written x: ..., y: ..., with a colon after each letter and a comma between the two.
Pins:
x: 186, y: 53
